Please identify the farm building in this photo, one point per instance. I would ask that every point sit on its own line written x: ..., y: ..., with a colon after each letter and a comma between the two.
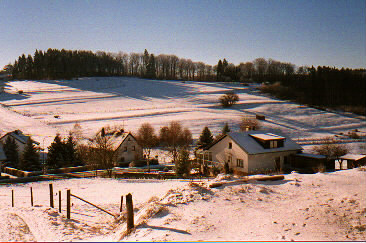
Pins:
x: 251, y: 152
x: 20, y: 139
x: 309, y: 162
x: 353, y: 160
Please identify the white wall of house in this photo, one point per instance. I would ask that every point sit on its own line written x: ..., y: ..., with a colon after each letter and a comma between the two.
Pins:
x: 129, y: 150
x: 221, y: 153
x: 251, y: 162
x: 267, y: 161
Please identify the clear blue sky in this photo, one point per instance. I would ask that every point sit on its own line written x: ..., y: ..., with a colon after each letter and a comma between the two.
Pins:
x: 302, y: 32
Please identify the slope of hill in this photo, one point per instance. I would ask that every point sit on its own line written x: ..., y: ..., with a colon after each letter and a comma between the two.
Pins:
x: 46, y: 107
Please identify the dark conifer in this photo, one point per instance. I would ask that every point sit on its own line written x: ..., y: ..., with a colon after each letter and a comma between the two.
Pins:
x: 30, y: 159
x: 11, y: 152
x: 225, y: 129
x: 56, y: 153
x: 206, y: 138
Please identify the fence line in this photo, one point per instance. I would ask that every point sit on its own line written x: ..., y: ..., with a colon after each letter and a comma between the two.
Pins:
x: 93, y: 205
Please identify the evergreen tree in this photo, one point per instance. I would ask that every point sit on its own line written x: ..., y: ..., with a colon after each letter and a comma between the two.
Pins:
x: 206, y: 138
x: 71, y: 156
x: 11, y: 152
x: 219, y: 70
x: 30, y: 160
x: 225, y: 129
x: 56, y: 153
x: 182, y: 165
x: 150, y: 68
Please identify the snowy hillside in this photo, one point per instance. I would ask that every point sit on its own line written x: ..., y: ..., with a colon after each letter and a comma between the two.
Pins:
x: 47, y: 107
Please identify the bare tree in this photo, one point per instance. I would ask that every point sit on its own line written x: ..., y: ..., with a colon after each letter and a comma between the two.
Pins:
x: 174, y: 136
x: 332, y: 150
x: 249, y: 123
x: 102, y: 154
x: 147, y: 139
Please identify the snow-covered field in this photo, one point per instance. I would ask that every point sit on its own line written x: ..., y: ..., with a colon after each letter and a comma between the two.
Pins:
x: 129, y: 102
x: 311, y: 207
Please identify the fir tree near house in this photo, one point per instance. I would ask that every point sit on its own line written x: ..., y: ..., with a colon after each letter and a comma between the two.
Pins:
x: 62, y: 153
x: 11, y: 152
x: 30, y: 159
x: 225, y: 129
x: 55, y: 156
x: 206, y: 138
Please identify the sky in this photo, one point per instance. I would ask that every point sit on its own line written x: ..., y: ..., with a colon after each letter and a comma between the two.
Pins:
x: 306, y: 32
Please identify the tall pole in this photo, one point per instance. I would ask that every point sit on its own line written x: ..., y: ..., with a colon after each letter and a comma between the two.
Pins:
x: 68, y: 204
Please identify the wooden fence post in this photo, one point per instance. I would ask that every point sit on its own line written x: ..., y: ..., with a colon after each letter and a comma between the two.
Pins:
x: 120, y: 208
x: 31, y: 191
x: 129, y: 207
x: 51, y: 195
x: 59, y: 201
x: 12, y: 198
x: 68, y: 204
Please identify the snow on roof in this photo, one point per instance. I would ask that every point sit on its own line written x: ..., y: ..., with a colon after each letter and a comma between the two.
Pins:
x: 267, y: 136
x: 315, y: 156
x: 116, y: 138
x: 20, y: 136
x: 251, y: 146
x: 353, y: 156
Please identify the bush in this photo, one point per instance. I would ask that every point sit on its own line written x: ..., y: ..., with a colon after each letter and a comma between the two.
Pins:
x: 353, y: 135
x: 229, y: 99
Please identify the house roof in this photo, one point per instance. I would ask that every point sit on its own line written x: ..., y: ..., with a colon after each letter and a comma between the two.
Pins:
x: 2, y: 154
x: 117, y: 138
x: 20, y: 136
x: 246, y: 141
x: 314, y: 156
x: 353, y: 156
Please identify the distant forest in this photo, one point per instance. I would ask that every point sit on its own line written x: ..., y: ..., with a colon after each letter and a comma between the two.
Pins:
x: 322, y: 86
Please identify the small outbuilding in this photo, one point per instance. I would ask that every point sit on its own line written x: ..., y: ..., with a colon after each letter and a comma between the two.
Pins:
x: 353, y: 160
x: 305, y: 162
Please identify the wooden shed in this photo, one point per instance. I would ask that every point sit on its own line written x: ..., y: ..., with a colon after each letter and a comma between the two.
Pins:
x: 353, y: 160
x: 310, y: 162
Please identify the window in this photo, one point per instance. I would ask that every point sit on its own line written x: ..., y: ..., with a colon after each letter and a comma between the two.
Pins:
x: 125, y: 149
x: 133, y: 148
x: 240, y: 163
x: 230, y: 145
x: 229, y: 159
x: 273, y: 144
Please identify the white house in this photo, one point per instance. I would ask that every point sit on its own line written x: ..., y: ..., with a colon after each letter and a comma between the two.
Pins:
x: 20, y: 139
x: 251, y: 151
x: 125, y: 145
x: 128, y: 149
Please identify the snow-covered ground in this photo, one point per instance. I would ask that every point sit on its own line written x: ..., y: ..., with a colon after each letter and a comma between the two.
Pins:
x: 129, y: 102
x: 317, y: 207
x: 43, y: 223
x: 310, y: 207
